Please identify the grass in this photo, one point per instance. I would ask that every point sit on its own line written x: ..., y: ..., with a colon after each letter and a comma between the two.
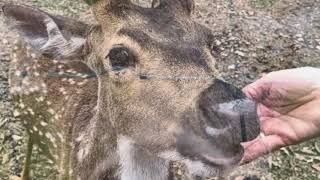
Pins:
x: 262, y: 3
x: 297, y: 162
x: 71, y: 8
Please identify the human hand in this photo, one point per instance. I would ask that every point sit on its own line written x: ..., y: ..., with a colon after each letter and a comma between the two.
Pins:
x: 288, y: 109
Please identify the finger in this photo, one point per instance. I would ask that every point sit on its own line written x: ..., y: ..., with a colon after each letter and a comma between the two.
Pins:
x: 263, y: 75
x: 261, y: 146
x: 250, y: 91
x: 258, y: 91
x: 282, y: 126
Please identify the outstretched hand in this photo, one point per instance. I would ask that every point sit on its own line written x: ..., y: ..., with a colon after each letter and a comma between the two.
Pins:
x: 288, y: 109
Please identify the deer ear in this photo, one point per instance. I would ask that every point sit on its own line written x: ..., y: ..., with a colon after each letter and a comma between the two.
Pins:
x: 53, y: 36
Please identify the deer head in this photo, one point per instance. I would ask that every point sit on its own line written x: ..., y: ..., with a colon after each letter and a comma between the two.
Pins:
x: 158, y: 97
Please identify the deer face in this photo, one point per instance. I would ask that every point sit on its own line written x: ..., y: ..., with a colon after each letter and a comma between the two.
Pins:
x: 158, y: 99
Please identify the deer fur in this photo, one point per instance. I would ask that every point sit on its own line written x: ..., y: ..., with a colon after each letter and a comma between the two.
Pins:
x: 124, y: 98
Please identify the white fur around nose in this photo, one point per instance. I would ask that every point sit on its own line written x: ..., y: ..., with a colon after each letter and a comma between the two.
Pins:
x: 135, y: 165
x: 216, y: 132
x: 228, y: 108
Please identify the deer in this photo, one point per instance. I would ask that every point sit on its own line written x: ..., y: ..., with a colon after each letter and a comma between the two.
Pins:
x: 127, y: 97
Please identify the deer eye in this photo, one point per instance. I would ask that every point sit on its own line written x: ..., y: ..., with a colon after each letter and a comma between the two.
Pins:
x: 119, y: 57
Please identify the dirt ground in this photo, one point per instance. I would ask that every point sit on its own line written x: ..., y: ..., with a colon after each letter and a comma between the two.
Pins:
x: 252, y: 37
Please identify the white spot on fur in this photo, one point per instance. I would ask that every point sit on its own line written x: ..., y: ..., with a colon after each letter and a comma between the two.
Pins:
x: 31, y: 111
x: 51, y: 111
x: 50, y: 161
x: 16, y: 113
x: 44, y: 124
x: 36, y: 74
x: 50, y: 137
x: 60, y: 136
x: 22, y: 106
x: 83, y: 153
x: 40, y: 99
x: 80, y: 138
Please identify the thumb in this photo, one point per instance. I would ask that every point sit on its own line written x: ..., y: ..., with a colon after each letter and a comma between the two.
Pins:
x: 260, y: 147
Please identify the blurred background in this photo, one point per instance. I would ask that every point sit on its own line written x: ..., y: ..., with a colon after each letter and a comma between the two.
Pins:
x: 251, y: 37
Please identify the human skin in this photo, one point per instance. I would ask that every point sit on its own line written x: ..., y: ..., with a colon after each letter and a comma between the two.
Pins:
x: 288, y: 109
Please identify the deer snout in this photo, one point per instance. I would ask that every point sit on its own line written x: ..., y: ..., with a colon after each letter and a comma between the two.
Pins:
x: 239, y: 116
x: 226, y: 111
x: 216, y: 126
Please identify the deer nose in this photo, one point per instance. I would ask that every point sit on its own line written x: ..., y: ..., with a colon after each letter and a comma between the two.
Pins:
x: 241, y: 117
x: 227, y: 113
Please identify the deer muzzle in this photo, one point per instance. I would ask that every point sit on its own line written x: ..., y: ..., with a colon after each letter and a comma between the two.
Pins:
x: 215, y: 128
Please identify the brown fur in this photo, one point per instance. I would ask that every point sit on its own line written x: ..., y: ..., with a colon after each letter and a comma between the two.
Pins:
x: 87, y: 117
